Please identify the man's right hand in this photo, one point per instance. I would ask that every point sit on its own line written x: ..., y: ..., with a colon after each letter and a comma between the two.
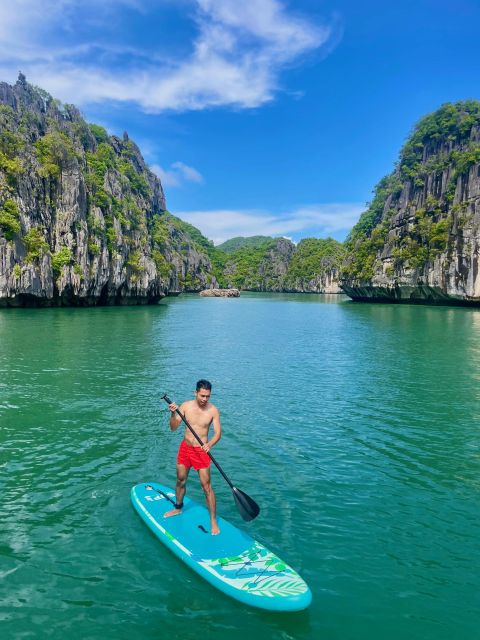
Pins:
x: 173, y: 407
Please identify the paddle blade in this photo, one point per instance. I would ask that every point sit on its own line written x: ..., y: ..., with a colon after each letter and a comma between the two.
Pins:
x: 247, y: 507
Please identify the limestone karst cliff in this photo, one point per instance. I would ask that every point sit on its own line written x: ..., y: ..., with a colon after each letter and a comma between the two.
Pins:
x: 82, y: 219
x: 419, y: 240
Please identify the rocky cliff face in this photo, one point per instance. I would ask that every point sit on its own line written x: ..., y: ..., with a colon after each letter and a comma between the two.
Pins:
x: 419, y: 241
x: 82, y: 219
x: 326, y: 282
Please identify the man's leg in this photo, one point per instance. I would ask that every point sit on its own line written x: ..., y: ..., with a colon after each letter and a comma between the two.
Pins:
x: 204, y: 475
x: 180, y: 490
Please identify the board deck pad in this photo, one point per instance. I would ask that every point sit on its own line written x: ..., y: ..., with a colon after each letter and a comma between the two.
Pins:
x: 232, y: 561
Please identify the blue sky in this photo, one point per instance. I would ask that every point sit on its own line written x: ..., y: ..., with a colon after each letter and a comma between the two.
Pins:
x: 263, y: 116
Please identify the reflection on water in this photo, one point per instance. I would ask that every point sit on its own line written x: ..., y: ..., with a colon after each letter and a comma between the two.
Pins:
x: 303, y: 298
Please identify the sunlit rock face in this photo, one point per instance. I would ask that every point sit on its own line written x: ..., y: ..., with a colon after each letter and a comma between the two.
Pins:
x: 419, y: 241
x: 83, y: 220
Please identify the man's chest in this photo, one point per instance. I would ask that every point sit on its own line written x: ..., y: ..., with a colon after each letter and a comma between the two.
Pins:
x: 200, y: 418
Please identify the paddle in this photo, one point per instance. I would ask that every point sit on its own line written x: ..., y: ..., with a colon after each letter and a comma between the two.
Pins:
x: 247, y: 507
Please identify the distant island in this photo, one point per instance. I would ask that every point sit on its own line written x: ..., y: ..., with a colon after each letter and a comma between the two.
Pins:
x: 83, y: 221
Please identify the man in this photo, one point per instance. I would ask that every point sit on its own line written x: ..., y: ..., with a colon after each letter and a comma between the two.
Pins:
x: 200, y: 413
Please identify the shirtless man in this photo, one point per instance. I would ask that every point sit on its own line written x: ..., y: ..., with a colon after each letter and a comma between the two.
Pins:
x: 200, y: 413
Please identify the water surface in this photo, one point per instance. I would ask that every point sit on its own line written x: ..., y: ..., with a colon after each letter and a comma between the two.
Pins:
x: 354, y: 426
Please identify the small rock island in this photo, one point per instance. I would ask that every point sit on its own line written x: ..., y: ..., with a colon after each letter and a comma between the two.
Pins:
x: 220, y: 293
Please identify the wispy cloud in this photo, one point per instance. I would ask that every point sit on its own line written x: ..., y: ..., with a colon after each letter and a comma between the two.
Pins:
x: 319, y: 220
x: 236, y: 57
x: 177, y: 174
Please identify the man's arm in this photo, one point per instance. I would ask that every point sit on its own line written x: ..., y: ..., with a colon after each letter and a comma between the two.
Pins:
x: 175, y: 419
x: 217, y: 431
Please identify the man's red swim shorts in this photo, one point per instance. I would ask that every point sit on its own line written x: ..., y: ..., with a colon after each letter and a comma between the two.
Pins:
x: 191, y: 456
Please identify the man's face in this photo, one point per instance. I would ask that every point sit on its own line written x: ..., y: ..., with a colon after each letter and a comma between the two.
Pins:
x: 202, y: 396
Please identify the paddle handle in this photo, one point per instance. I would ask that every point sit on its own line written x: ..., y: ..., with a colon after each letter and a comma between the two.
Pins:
x: 198, y: 439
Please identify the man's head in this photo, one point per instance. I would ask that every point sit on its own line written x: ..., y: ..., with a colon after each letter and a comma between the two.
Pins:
x: 204, y: 384
x: 203, y: 392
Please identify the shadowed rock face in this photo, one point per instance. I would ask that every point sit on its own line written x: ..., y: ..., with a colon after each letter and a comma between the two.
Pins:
x: 420, y: 239
x: 83, y: 220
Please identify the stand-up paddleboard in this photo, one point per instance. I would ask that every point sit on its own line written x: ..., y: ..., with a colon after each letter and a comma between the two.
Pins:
x: 231, y: 561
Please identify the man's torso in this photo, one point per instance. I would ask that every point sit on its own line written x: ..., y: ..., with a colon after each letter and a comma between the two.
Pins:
x: 199, y: 419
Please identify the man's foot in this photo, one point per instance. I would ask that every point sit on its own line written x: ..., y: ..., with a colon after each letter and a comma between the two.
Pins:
x: 173, y: 512
x: 215, y: 528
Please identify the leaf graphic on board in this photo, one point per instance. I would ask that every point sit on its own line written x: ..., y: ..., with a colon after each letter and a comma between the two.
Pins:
x: 275, y: 587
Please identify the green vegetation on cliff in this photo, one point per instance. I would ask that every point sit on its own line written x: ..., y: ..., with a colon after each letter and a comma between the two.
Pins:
x: 55, y: 152
x: 9, y: 219
x: 35, y: 244
x: 11, y: 145
x: 248, y: 267
x: 451, y: 123
x: 240, y: 242
x: 441, y: 147
x: 176, y: 239
x: 60, y: 259
x: 313, y: 257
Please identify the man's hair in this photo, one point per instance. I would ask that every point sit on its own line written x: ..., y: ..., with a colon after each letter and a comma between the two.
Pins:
x: 204, y: 384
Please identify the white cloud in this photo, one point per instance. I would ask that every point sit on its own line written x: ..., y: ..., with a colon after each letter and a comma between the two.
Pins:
x: 313, y: 220
x: 235, y: 58
x: 177, y: 174
x: 189, y: 173
x: 268, y: 21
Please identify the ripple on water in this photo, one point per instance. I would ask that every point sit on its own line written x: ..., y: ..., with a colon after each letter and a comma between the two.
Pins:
x: 353, y: 426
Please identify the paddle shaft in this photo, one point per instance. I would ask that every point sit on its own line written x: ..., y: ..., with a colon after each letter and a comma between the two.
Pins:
x: 198, y: 439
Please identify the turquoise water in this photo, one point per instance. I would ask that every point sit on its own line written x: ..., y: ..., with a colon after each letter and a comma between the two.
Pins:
x: 355, y: 427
